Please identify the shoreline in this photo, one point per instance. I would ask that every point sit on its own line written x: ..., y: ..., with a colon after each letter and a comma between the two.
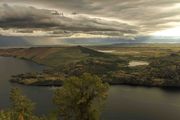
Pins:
x: 30, y: 60
x: 131, y: 85
x: 55, y: 85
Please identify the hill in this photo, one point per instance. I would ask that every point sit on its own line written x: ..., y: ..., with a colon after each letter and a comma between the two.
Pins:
x: 56, y: 56
x: 65, y: 62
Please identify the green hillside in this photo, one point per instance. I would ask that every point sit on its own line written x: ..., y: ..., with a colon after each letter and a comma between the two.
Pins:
x: 57, y: 56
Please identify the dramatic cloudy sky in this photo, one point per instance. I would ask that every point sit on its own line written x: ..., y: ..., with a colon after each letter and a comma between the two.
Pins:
x: 125, y: 19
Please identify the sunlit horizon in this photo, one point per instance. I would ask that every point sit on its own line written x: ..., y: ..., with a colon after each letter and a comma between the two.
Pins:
x: 171, y: 32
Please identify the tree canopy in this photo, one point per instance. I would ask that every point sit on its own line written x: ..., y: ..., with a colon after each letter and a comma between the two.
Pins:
x: 81, y: 98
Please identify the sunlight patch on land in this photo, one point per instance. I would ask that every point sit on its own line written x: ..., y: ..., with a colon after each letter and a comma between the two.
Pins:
x: 137, y: 63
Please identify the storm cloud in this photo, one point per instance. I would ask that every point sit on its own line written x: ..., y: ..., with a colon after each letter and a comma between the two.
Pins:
x: 113, y: 18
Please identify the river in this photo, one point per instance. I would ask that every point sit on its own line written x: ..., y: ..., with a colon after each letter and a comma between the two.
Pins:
x: 123, y: 103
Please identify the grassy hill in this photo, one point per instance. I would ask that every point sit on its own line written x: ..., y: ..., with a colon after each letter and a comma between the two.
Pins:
x: 57, y: 56
x: 65, y: 62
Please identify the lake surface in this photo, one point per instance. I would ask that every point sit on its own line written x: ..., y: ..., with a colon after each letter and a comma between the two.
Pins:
x: 10, y: 66
x: 123, y: 103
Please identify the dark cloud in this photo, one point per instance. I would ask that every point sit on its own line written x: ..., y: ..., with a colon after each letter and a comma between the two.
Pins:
x: 19, y: 17
x: 105, y: 17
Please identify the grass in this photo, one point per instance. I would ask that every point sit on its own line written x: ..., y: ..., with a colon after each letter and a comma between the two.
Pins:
x: 57, y: 56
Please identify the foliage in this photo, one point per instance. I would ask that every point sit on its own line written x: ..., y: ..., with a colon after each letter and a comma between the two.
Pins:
x: 93, y: 66
x: 162, y: 71
x: 5, y: 115
x: 21, y: 106
x: 81, y: 98
x: 166, y: 68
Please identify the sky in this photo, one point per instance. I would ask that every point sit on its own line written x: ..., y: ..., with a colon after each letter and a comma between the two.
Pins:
x: 72, y: 19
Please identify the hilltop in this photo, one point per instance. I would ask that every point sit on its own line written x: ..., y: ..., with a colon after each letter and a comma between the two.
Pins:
x: 56, y: 56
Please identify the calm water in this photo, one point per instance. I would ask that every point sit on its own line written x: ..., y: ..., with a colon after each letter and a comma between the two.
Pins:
x: 124, y: 102
x: 11, y: 66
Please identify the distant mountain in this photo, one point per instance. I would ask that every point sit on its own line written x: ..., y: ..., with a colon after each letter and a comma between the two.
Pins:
x: 106, y: 41
x: 157, y: 39
x: 44, y: 41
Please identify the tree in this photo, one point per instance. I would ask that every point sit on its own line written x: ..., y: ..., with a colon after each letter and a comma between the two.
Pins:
x: 81, y: 98
x: 5, y: 115
x: 21, y: 106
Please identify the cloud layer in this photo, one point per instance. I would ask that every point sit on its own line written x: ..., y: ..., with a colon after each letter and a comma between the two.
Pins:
x: 31, y: 20
x: 100, y: 18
